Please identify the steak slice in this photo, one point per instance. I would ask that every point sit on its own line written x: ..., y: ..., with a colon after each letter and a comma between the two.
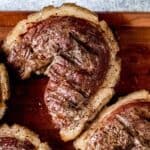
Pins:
x: 78, y: 54
x: 20, y: 138
x: 124, y: 125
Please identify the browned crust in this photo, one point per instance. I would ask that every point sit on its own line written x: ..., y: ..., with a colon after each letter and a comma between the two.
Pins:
x: 4, y: 89
x: 138, y: 96
x: 23, y: 134
x: 106, y: 91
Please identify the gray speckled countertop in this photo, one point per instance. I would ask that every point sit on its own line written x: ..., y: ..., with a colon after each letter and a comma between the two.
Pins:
x: 96, y: 5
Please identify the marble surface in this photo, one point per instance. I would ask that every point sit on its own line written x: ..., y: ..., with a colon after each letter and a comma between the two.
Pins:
x: 95, y: 5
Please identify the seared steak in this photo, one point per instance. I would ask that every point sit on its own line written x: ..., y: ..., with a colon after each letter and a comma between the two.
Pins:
x: 124, y: 125
x: 77, y: 53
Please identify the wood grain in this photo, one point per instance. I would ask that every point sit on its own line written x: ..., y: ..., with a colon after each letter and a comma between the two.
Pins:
x: 132, y: 30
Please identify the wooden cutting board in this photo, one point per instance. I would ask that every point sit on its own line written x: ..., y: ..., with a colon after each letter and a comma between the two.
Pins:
x: 132, y: 30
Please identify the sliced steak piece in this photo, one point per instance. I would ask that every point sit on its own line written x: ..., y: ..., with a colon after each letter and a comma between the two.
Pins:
x: 124, y: 125
x: 20, y: 138
x: 78, y: 54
